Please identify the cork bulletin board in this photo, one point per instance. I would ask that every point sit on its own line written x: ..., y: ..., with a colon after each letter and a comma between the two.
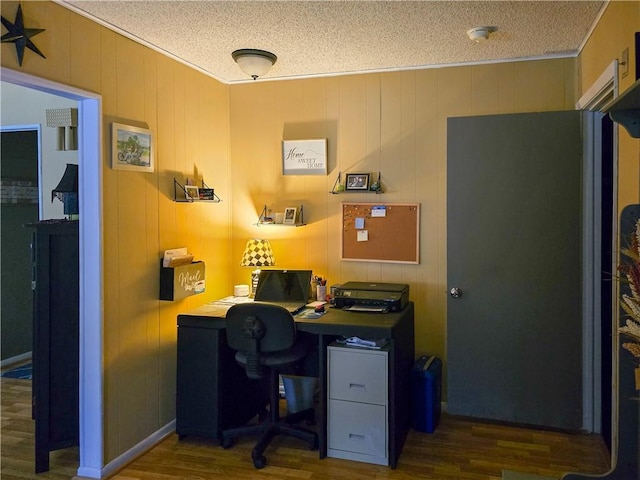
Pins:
x: 381, y: 232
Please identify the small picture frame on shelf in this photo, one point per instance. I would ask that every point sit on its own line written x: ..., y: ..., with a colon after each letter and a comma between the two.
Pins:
x: 357, y: 181
x: 290, y: 216
x: 192, y: 192
x: 206, y: 194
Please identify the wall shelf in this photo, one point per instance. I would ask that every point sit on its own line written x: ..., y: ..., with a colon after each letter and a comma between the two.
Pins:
x: 339, y: 188
x: 178, y: 197
x: 265, y: 219
x: 625, y: 109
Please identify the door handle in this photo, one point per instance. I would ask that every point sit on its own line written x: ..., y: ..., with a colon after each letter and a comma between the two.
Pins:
x: 455, y: 292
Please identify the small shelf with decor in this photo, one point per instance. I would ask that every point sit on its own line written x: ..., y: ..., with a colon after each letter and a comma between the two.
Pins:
x: 625, y: 109
x: 193, y: 193
x: 357, y: 183
x: 291, y: 217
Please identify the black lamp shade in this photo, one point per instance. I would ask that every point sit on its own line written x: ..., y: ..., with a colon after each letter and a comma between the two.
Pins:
x: 67, y: 190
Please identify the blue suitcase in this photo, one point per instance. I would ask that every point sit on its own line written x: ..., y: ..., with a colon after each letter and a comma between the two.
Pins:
x: 427, y: 393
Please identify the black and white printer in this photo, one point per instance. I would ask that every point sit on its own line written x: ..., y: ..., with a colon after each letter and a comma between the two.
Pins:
x: 371, y: 297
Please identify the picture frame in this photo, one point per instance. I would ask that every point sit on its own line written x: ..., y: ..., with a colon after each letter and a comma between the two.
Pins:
x: 290, y: 214
x: 131, y: 148
x: 304, y: 157
x: 357, y: 181
x: 192, y: 192
x: 206, y: 194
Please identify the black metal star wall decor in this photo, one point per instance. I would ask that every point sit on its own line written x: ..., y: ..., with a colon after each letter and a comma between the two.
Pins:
x: 21, y: 36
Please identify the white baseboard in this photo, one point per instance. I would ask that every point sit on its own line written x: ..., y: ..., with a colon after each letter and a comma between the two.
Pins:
x: 121, y: 461
x: 17, y: 359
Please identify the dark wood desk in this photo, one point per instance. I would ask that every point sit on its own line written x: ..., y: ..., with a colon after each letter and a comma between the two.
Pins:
x: 213, y: 392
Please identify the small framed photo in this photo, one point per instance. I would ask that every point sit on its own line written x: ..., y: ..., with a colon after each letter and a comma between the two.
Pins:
x: 290, y: 216
x: 206, y: 194
x: 192, y: 193
x: 131, y: 148
x: 357, y: 181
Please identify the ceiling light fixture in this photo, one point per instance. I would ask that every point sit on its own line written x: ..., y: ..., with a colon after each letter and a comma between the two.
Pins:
x: 253, y: 62
x: 480, y: 34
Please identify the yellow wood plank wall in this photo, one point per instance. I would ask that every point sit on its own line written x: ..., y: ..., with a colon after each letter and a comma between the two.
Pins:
x: 188, y: 114
x: 614, y: 33
x: 394, y: 123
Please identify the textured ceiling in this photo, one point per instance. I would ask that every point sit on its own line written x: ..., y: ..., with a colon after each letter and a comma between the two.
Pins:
x: 314, y: 38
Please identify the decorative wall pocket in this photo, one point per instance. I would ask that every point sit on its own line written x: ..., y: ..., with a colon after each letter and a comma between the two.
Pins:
x: 181, y: 281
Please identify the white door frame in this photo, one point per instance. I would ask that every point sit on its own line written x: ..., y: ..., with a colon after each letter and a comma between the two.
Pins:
x: 90, y: 239
x: 603, y: 89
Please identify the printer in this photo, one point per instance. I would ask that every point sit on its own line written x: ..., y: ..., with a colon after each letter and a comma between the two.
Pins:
x: 372, y: 297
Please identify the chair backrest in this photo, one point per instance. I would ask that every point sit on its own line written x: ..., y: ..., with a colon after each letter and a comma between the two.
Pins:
x: 257, y: 328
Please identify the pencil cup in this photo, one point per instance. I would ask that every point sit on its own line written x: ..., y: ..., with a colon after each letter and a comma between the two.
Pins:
x: 321, y: 292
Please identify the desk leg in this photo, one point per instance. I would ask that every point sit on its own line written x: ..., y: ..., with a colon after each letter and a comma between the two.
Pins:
x: 322, y: 401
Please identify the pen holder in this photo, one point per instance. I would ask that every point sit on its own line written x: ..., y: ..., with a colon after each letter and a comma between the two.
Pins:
x: 321, y: 293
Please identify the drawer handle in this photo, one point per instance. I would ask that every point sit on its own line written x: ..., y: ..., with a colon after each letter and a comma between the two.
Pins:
x: 355, y: 436
x: 359, y: 386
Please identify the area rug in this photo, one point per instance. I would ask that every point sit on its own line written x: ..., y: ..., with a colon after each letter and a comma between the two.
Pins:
x: 22, y: 372
x: 511, y: 475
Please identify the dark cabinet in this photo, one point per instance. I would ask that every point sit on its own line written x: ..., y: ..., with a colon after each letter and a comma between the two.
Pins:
x: 213, y: 391
x: 55, y: 256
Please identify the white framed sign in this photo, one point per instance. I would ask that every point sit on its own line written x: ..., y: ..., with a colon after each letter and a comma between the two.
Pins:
x: 304, y: 157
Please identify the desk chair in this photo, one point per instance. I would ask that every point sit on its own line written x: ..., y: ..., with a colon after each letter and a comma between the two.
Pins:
x: 264, y: 337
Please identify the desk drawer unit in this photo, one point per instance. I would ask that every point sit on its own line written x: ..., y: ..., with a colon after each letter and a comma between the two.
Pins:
x: 357, y: 426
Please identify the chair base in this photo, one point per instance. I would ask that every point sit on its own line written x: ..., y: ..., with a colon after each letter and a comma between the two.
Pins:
x: 268, y: 430
x: 273, y: 425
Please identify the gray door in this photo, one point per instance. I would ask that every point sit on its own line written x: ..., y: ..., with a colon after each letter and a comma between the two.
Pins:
x: 514, y: 334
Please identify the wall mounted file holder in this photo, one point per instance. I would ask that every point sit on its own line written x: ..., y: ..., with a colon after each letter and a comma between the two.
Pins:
x: 181, y: 281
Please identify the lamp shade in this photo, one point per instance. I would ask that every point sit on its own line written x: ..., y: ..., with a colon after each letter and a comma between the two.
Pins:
x: 67, y: 190
x: 253, y: 62
x: 68, y: 183
x: 257, y: 253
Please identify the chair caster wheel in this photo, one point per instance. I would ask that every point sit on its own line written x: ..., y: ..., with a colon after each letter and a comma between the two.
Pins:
x: 226, y: 443
x: 260, y: 462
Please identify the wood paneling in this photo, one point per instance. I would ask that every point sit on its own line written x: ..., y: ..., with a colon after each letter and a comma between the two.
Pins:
x: 394, y: 123
x: 615, y: 32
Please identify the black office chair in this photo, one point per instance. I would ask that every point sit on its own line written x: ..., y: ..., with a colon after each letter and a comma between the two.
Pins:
x: 264, y: 337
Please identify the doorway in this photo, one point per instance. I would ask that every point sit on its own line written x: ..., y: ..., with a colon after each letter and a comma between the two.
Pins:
x: 90, y: 240
x: 21, y: 205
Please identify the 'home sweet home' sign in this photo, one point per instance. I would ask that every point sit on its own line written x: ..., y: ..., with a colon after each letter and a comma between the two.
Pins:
x: 304, y: 157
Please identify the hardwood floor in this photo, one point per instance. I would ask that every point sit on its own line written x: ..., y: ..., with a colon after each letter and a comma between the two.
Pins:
x: 459, y: 449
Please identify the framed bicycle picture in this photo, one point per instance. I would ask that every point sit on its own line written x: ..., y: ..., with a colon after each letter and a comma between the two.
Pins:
x: 131, y: 148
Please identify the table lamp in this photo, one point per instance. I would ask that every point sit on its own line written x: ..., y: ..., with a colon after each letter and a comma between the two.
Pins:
x: 257, y: 253
x: 67, y: 190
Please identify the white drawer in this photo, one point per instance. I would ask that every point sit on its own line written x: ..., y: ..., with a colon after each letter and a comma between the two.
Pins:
x: 357, y: 375
x: 357, y: 427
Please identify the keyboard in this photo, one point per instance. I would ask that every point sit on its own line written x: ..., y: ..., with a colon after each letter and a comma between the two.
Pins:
x: 292, y: 307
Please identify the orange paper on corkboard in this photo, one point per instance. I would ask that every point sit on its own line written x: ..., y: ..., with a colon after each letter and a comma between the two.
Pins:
x: 381, y: 232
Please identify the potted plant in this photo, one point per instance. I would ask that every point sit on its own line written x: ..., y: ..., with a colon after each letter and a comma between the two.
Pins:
x: 630, y: 275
